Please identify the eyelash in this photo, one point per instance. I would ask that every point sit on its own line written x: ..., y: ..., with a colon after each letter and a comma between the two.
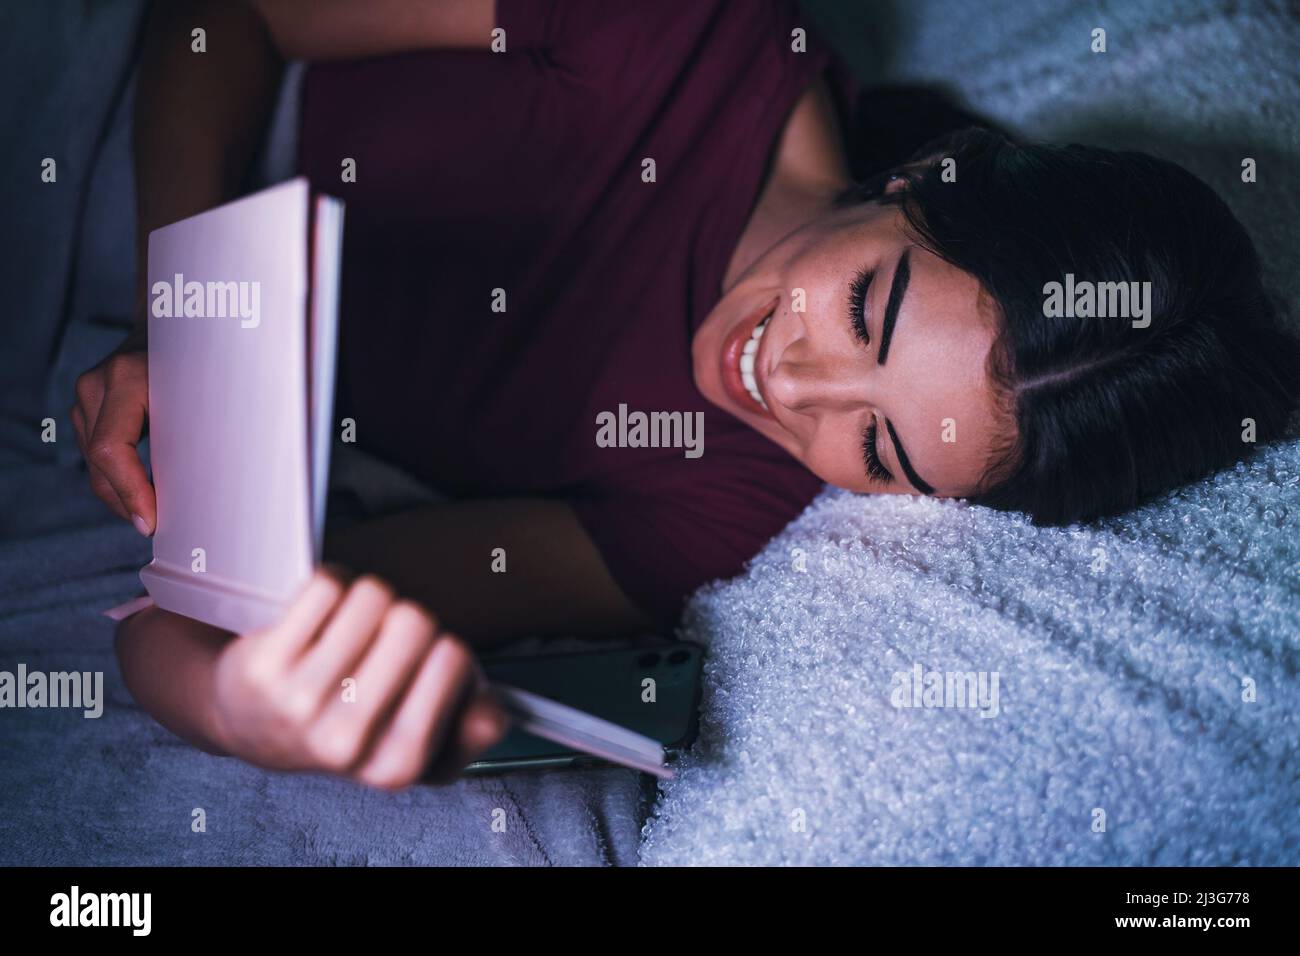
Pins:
x: 858, y: 303
x: 857, y: 312
x: 871, y: 458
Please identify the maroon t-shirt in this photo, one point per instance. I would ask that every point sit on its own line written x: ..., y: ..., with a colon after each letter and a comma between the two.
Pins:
x: 522, y: 171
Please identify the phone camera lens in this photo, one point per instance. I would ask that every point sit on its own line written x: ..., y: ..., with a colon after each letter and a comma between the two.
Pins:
x: 678, y: 657
x: 649, y: 660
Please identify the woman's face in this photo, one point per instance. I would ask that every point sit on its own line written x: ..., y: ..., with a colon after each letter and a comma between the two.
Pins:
x: 911, y: 378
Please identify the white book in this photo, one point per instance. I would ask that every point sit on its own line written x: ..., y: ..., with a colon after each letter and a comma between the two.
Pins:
x: 243, y: 325
x: 243, y: 331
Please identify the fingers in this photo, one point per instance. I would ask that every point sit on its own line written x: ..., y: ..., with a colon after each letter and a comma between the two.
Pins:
x: 430, y: 712
x: 281, y: 645
x: 482, y: 725
x: 108, y: 419
x: 415, y: 694
x: 265, y: 713
x: 349, y: 632
x: 98, y: 483
x: 78, y: 427
x: 346, y: 730
x: 111, y: 448
x: 90, y: 394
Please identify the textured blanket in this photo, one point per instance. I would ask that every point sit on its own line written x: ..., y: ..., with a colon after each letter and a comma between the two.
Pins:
x: 899, y: 681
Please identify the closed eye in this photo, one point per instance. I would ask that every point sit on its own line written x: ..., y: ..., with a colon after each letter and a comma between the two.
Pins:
x: 858, y: 304
x: 876, y: 469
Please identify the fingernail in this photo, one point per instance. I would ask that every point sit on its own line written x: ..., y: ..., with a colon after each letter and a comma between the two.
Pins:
x: 141, y: 525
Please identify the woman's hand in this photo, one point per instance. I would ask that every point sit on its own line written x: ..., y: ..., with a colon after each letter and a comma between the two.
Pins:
x: 109, y: 416
x: 355, y: 682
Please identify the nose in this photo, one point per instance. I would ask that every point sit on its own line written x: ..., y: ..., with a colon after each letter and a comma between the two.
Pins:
x: 810, y: 383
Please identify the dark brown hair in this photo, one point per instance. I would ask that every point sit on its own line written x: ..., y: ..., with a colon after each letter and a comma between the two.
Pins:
x: 1108, y: 415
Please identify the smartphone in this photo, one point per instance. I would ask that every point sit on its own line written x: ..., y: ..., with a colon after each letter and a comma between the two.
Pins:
x: 652, y: 690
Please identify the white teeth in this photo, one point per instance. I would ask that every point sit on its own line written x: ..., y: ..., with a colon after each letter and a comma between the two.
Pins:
x: 747, y: 356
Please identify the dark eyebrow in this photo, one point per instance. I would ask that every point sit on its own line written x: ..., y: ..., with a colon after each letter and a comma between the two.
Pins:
x: 902, y: 275
x: 912, y: 476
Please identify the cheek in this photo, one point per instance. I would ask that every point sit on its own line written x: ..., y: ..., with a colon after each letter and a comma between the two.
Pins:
x: 824, y: 271
x: 834, y: 455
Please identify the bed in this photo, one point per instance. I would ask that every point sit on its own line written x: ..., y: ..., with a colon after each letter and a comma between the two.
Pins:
x: 1147, y: 688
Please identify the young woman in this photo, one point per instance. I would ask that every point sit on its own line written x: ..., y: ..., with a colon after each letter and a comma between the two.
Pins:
x: 607, y: 210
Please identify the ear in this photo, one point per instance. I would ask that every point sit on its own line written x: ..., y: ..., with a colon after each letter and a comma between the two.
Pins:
x: 899, y: 180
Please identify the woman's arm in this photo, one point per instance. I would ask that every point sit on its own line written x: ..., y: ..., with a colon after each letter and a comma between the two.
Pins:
x: 198, y: 120
x: 345, y: 29
x: 199, y: 117
x: 351, y: 680
x: 554, y: 579
x: 270, y: 697
x: 167, y: 663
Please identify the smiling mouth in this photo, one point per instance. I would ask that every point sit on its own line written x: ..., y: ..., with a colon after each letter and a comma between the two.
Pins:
x: 742, y: 381
x: 748, y: 355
